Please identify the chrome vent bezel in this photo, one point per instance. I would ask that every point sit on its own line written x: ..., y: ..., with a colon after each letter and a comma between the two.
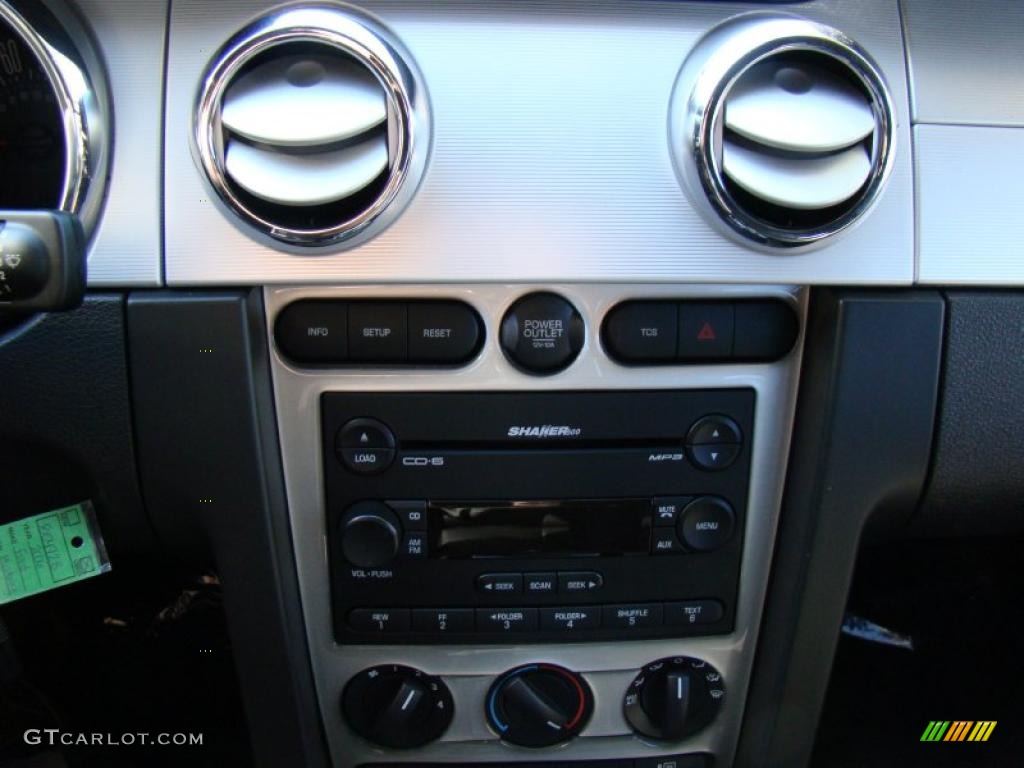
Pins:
x: 367, y: 41
x: 696, y: 118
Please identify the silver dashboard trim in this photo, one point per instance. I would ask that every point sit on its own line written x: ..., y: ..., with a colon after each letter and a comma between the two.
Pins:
x: 966, y: 61
x: 369, y: 42
x: 970, y: 204
x: 696, y: 116
x: 549, y: 159
x: 468, y: 670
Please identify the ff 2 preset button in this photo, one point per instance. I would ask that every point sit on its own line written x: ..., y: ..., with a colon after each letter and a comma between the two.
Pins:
x: 440, y: 621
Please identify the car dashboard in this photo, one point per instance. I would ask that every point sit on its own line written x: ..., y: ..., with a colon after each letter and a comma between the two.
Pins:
x: 530, y: 373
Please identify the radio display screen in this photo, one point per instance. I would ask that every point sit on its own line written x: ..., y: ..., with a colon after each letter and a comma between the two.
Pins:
x: 460, y: 530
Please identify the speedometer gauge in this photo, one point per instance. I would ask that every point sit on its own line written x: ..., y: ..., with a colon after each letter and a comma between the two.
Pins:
x: 54, y: 112
x: 32, y: 158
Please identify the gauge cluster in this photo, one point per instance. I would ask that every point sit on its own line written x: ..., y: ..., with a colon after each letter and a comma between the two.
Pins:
x: 31, y: 128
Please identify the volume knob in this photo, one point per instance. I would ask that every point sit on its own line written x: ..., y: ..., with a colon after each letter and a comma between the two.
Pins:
x: 370, y: 534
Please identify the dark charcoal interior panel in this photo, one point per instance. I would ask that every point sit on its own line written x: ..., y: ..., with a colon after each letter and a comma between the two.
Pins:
x: 976, y: 485
x: 861, y: 444
x: 65, y: 421
x: 208, y: 453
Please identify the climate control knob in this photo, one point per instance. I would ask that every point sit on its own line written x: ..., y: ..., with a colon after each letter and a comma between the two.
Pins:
x: 370, y: 534
x: 538, y: 705
x: 674, y: 698
x: 397, y: 707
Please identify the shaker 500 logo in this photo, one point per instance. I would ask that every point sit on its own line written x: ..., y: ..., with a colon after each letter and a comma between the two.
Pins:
x: 545, y: 430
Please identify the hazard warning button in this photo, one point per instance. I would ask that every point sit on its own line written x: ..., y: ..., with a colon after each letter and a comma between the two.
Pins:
x: 705, y: 331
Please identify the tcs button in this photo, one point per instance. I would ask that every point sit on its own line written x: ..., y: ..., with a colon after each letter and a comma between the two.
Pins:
x: 542, y: 333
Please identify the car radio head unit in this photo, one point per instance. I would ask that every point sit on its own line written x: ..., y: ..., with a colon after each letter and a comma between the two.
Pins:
x: 489, y: 517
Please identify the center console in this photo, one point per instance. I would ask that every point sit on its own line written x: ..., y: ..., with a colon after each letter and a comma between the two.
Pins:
x: 533, y: 525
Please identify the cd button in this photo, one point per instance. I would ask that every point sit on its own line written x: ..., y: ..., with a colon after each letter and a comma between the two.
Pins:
x: 440, y: 621
x: 570, y: 619
x: 379, y: 619
x: 638, y: 616
x: 500, y: 583
x: 540, y: 583
x: 412, y: 514
x: 570, y: 582
x: 506, y: 619
x: 693, y: 612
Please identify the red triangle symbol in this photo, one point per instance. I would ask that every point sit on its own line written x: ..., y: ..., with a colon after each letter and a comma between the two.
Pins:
x: 707, y: 333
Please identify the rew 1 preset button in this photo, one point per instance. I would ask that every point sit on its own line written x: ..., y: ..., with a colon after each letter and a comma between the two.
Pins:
x: 379, y: 619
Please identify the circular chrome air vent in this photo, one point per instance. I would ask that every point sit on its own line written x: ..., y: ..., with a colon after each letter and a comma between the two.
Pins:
x: 783, y: 129
x: 312, y: 126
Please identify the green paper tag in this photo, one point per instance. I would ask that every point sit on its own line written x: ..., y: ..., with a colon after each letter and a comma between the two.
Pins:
x: 50, y: 550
